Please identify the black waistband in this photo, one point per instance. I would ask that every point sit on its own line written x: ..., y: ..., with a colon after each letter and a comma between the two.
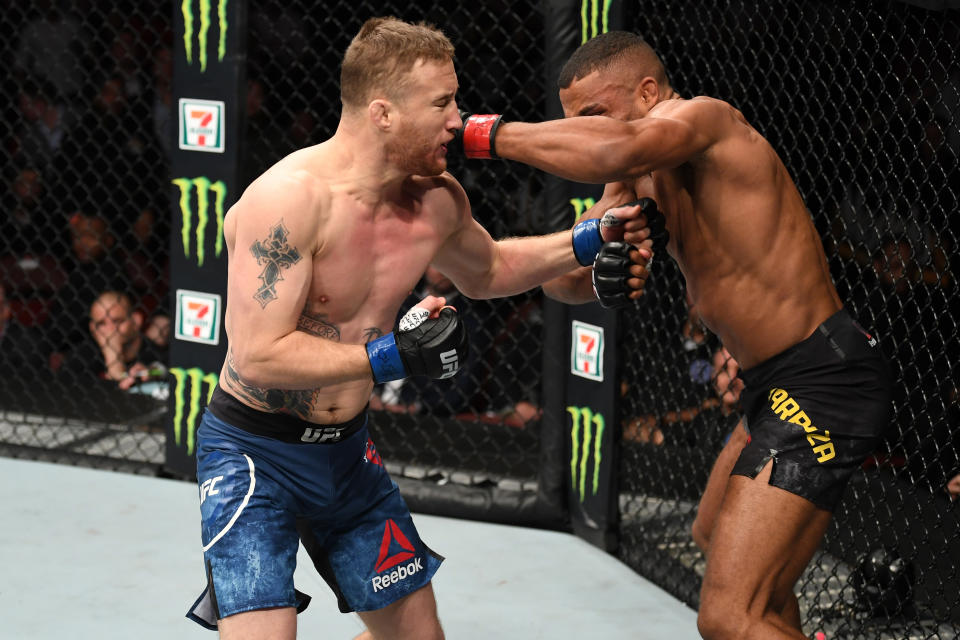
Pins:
x: 824, y: 330
x: 281, y: 426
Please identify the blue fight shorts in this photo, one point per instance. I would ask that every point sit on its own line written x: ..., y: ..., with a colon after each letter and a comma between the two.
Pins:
x: 260, y: 495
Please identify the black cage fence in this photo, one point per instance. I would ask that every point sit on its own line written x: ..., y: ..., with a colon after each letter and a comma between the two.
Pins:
x: 860, y: 98
x: 83, y: 275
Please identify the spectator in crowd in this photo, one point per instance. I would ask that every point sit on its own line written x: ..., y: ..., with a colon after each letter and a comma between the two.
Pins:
x: 142, y: 249
x: 265, y: 137
x: 112, y: 140
x: 25, y: 352
x: 158, y: 330
x: 92, y: 266
x: 126, y: 53
x: 44, y: 123
x: 119, y: 351
x: 52, y: 48
x: 953, y: 487
x: 29, y: 219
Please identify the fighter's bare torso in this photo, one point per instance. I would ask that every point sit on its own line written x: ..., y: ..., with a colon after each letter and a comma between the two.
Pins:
x: 359, y: 278
x: 741, y: 234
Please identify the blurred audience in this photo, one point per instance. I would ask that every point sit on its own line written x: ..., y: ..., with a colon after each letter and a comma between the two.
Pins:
x: 44, y: 123
x: 92, y: 267
x: 119, y: 351
x: 52, y: 48
x: 26, y: 353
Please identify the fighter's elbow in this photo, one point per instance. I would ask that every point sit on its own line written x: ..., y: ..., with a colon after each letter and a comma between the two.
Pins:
x: 251, y: 366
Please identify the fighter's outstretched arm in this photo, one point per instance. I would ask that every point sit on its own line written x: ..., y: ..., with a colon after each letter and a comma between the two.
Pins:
x: 596, y: 149
x: 481, y: 267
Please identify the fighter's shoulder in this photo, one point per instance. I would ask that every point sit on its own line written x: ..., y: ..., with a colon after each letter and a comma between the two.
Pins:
x: 694, y: 108
x: 440, y: 191
x: 284, y: 191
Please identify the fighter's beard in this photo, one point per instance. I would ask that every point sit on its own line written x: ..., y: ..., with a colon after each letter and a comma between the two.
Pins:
x: 415, y: 159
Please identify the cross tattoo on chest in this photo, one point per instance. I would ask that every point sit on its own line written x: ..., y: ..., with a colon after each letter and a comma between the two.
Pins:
x: 275, y: 255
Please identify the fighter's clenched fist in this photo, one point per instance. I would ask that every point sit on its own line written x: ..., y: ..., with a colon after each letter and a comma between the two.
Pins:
x: 428, y: 341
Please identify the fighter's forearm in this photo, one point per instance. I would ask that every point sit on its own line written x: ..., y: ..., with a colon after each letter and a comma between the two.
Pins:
x: 574, y: 287
x: 589, y: 149
x: 299, y: 361
x: 524, y: 263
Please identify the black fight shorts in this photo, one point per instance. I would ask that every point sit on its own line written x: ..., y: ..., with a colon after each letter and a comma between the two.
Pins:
x: 818, y: 410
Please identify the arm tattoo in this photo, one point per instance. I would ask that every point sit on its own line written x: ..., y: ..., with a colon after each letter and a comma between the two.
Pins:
x: 275, y: 255
x: 297, y: 403
x: 316, y: 325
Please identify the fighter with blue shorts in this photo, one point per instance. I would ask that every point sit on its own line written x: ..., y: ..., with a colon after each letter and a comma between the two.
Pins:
x: 266, y: 480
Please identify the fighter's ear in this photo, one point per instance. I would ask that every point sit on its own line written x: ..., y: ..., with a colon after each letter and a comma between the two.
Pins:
x: 381, y: 113
x: 648, y: 91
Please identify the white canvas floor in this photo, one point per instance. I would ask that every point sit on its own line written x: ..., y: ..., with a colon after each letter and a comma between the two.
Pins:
x: 88, y: 554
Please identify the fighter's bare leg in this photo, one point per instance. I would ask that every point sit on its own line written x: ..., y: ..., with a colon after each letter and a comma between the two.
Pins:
x: 709, y: 506
x: 762, y: 539
x: 413, y: 617
x: 716, y: 486
x: 263, y: 624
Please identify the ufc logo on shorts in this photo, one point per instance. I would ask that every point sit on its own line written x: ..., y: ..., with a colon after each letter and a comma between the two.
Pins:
x: 207, y: 488
x: 451, y: 362
x: 320, y: 435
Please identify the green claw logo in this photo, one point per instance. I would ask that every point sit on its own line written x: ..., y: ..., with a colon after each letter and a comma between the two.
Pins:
x: 204, y: 187
x: 594, y: 18
x: 187, y: 395
x: 186, y: 8
x: 580, y: 206
x: 586, y: 440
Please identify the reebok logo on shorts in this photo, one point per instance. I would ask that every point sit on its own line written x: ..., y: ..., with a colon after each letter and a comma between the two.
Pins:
x: 789, y: 410
x: 371, y: 455
x: 386, y: 561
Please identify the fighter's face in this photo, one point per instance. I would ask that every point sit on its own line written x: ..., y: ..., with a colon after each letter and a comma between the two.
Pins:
x: 601, y: 93
x: 427, y: 119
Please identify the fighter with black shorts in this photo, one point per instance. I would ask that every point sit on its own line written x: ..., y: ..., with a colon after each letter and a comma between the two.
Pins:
x: 817, y: 409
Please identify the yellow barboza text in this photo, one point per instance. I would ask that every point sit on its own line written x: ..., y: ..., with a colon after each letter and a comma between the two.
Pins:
x: 789, y: 410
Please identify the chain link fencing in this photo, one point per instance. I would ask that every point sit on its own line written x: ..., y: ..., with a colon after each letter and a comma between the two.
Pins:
x: 83, y: 165
x: 860, y: 99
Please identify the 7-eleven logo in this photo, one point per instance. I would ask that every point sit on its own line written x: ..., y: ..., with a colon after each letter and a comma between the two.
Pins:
x: 198, y: 317
x: 201, y: 125
x: 586, y: 352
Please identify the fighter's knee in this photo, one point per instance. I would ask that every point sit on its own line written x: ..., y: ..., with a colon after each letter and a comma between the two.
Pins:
x: 716, y: 623
x: 719, y: 616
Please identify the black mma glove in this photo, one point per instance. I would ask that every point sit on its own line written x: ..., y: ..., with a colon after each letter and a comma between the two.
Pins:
x: 611, y: 270
x: 655, y: 222
x: 420, y: 346
x: 478, y: 133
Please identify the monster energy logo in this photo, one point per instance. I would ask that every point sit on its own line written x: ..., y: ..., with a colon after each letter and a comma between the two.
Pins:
x: 586, y: 439
x: 189, y: 390
x: 594, y: 18
x: 203, y: 30
x: 203, y: 187
x: 580, y: 206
